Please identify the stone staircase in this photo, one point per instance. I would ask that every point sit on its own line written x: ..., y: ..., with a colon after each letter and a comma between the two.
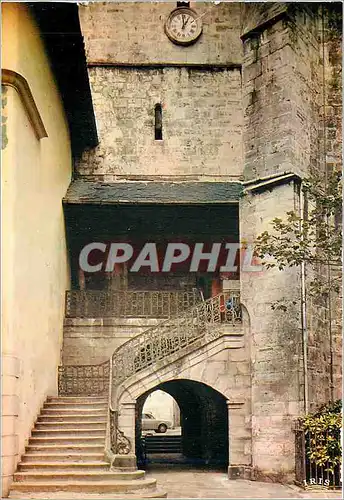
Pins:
x: 66, y: 454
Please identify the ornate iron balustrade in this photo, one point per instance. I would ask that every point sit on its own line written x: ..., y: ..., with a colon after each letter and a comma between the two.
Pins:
x: 84, y: 380
x: 168, y: 337
x: 175, y: 334
x: 128, y: 303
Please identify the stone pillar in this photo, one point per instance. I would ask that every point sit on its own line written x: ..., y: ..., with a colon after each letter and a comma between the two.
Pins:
x: 126, y: 426
x: 176, y: 414
x: 280, y: 96
x: 10, y: 412
x: 126, y: 421
x: 239, y: 439
x: 115, y: 278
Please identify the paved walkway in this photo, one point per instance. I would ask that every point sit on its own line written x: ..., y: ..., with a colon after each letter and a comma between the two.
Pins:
x: 183, y: 482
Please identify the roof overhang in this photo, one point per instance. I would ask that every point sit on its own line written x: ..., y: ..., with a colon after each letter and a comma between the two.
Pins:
x: 269, y: 182
x: 159, y: 193
x: 60, y: 29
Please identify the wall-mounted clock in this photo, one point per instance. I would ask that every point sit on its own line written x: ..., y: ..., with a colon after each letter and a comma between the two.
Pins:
x: 183, y: 26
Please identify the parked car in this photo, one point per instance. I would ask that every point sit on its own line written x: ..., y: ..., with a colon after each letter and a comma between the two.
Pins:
x: 150, y: 423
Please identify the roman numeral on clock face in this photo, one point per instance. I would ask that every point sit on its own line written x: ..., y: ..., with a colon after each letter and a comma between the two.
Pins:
x: 183, y: 26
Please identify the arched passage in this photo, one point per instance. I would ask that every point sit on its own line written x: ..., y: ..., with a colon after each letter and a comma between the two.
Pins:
x: 204, y: 421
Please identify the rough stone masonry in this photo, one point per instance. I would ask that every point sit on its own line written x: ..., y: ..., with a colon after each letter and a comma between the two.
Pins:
x: 245, y: 103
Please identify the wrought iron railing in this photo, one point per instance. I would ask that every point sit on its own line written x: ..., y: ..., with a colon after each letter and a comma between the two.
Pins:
x: 175, y: 334
x: 84, y: 380
x: 129, y: 303
x: 309, y: 473
x: 200, y: 322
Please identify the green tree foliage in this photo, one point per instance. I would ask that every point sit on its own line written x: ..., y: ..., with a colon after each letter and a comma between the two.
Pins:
x: 323, y: 430
x: 314, y: 238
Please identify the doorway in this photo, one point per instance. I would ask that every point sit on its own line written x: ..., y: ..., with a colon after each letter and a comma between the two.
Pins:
x: 203, y: 427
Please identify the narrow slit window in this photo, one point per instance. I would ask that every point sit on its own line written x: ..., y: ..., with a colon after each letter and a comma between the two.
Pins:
x: 158, y: 123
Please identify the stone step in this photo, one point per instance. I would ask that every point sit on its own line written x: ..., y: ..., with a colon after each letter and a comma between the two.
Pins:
x: 65, y: 456
x: 88, y: 405
x: 45, y: 464
x: 55, y: 424
x: 77, y: 475
x: 162, y: 438
x: 73, y: 417
x: 59, y: 495
x: 72, y: 411
x: 144, y: 485
x: 69, y: 440
x: 62, y: 457
x: 80, y: 448
x: 78, y: 399
x: 74, y: 431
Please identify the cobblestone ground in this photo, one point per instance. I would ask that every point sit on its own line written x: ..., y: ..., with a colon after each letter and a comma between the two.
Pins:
x: 183, y: 482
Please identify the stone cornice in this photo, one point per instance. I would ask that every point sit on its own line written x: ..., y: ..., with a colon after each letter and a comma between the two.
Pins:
x: 270, y: 181
x: 20, y: 84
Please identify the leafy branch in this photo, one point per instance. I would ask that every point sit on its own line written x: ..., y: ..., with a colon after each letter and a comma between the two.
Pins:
x: 313, y: 238
x: 323, y: 431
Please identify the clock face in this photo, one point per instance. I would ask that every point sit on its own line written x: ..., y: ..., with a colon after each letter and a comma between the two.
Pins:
x: 183, y: 26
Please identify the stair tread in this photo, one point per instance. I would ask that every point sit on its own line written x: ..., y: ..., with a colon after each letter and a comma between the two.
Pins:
x: 83, y: 404
x: 91, y: 398
x: 57, y: 463
x: 63, y: 445
x: 72, y: 438
x: 76, y: 454
x: 66, y: 415
x: 71, y: 429
x: 50, y: 417
x: 89, y: 496
x: 52, y: 422
x: 122, y: 482
x: 66, y: 453
x: 68, y: 411
x: 78, y: 473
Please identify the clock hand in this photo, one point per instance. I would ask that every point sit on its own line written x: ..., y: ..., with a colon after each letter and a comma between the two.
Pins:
x: 199, y: 17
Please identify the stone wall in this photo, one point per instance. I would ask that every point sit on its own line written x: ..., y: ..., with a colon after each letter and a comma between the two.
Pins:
x: 133, y: 66
x: 93, y: 340
x: 120, y: 33
x: 276, y: 354
x: 334, y: 151
x: 201, y: 124
x: 220, y: 123
x: 281, y: 96
x: 35, y: 176
x: 324, y: 313
x: 271, y: 105
x: 283, y: 106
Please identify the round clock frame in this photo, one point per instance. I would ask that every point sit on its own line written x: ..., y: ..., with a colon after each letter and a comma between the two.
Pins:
x: 177, y: 34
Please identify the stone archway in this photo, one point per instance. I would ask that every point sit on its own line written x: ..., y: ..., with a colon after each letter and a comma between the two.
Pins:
x: 204, y: 421
x: 223, y: 366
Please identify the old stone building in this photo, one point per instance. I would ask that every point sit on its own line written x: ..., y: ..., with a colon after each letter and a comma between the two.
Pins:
x: 45, y: 122
x: 209, y: 115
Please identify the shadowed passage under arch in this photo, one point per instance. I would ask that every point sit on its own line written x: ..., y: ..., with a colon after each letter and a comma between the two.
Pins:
x: 204, y: 422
